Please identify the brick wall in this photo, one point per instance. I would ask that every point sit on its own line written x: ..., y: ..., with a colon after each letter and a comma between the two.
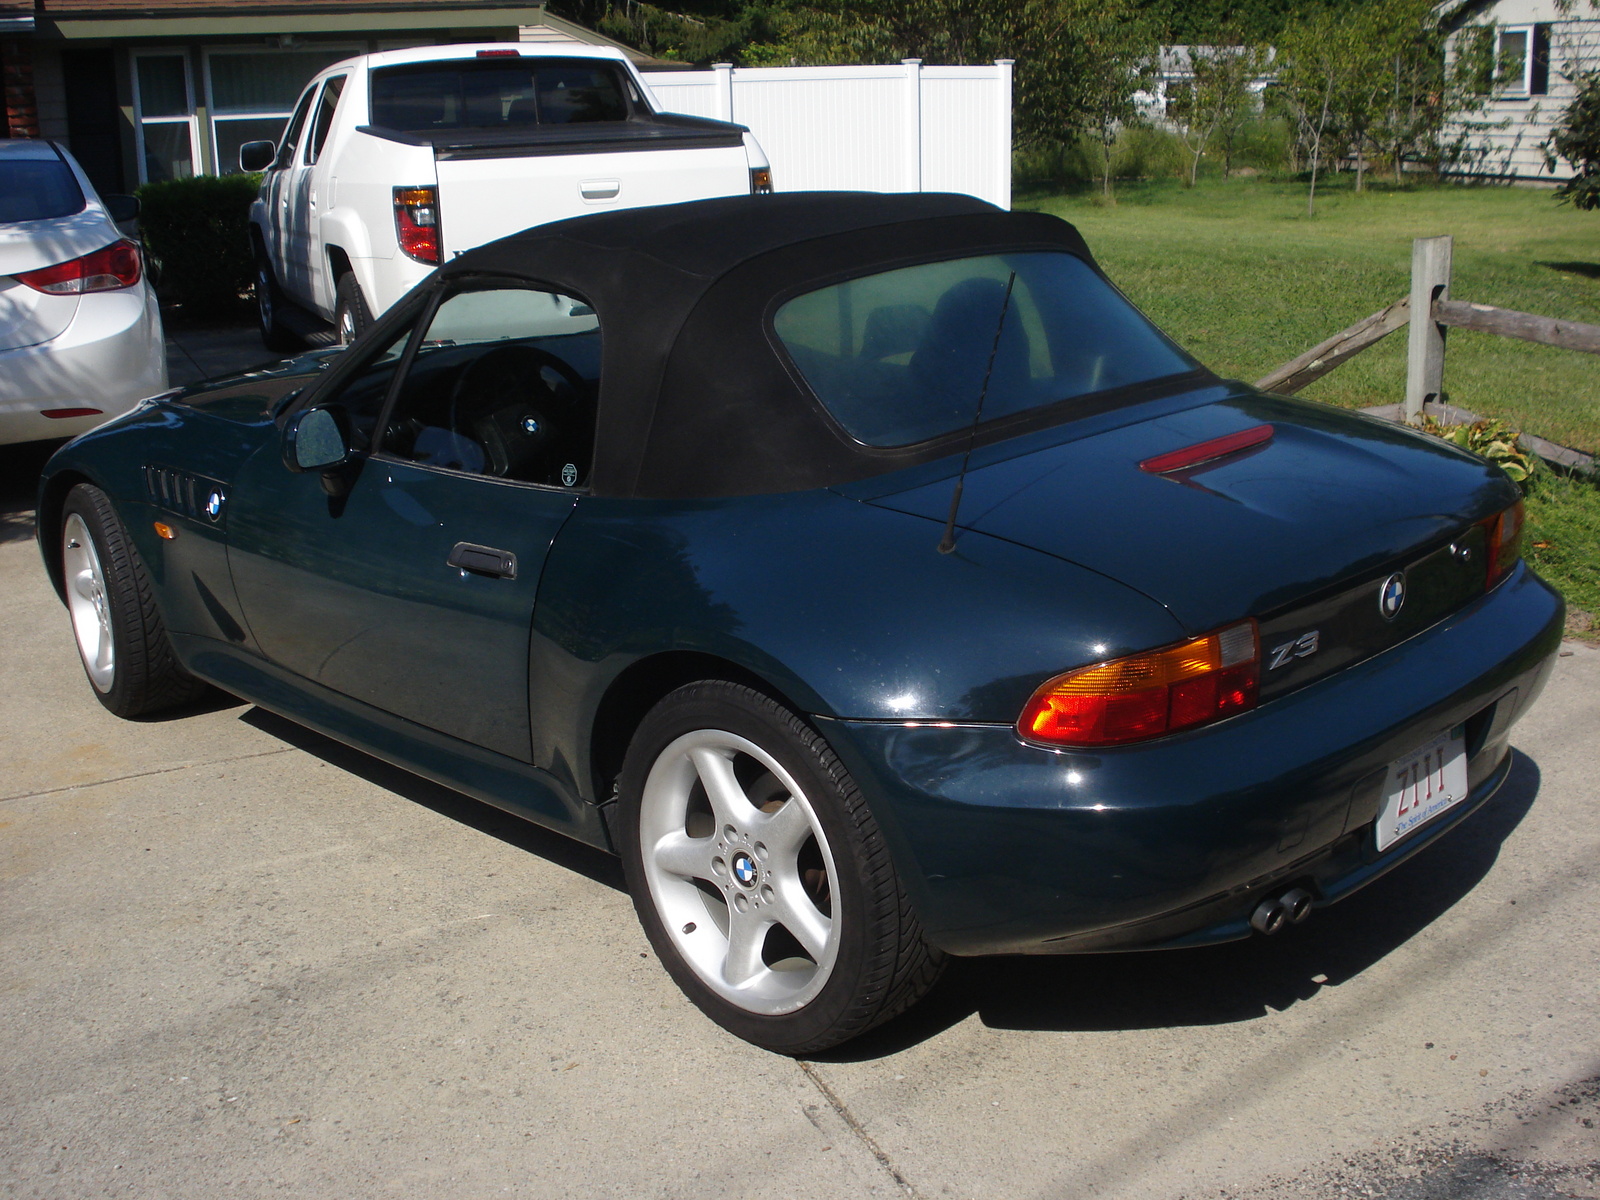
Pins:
x: 22, y: 113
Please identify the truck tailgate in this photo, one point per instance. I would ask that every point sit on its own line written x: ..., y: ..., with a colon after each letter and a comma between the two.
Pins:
x: 481, y: 199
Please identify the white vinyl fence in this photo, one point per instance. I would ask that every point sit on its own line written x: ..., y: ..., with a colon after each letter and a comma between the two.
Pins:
x: 902, y: 127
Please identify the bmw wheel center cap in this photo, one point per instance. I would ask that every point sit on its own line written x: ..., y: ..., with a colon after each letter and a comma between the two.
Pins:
x: 1391, y: 596
x: 744, y: 869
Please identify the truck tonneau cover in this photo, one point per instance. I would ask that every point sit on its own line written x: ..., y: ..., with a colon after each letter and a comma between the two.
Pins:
x: 663, y: 131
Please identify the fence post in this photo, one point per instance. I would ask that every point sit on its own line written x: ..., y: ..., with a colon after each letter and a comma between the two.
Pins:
x: 913, y: 127
x: 1430, y: 281
x: 724, y: 77
x: 1003, y: 131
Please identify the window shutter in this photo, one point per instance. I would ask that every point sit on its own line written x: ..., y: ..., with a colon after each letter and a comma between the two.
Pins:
x: 1539, y: 74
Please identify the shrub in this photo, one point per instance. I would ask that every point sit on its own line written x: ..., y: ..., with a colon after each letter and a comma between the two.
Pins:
x: 197, y: 232
x: 1492, y: 440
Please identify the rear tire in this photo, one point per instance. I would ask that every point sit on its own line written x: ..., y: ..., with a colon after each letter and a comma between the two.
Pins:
x: 121, y: 640
x: 269, y: 309
x: 760, y: 875
x: 350, y: 315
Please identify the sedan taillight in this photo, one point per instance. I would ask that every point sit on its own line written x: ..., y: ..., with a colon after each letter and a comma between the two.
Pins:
x: 108, y: 270
x: 1147, y: 695
x: 1504, y: 533
x: 416, y: 222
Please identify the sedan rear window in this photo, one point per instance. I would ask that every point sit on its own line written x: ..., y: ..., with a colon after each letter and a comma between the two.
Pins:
x: 492, y: 93
x: 903, y: 356
x: 37, y: 185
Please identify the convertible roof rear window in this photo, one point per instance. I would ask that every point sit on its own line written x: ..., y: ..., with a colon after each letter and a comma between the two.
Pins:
x: 903, y: 356
x: 497, y: 93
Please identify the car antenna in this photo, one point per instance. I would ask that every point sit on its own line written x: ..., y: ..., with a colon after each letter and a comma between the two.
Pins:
x: 948, y: 542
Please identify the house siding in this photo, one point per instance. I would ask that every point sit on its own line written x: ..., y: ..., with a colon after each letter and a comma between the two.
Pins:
x: 1503, y: 141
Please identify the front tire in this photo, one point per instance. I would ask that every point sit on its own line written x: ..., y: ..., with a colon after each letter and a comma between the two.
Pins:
x: 121, y: 641
x: 269, y: 309
x: 760, y: 876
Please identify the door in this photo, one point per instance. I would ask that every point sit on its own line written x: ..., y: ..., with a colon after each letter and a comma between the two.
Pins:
x: 414, y: 591
x: 282, y: 180
x: 320, y: 281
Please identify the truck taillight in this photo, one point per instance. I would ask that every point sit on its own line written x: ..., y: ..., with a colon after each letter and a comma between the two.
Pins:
x: 116, y: 266
x: 1504, y: 533
x: 416, y: 222
x: 1147, y: 695
x: 761, y: 181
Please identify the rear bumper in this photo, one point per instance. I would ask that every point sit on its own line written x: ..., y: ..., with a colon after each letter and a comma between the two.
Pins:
x: 109, y: 358
x: 1009, y: 848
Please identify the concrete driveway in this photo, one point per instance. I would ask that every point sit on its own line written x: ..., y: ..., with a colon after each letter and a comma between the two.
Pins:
x: 239, y: 959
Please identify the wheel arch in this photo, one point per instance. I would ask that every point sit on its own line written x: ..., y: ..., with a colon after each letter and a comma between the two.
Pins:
x: 52, y: 500
x: 640, y: 687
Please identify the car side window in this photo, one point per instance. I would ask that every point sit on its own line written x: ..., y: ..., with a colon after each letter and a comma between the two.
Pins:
x: 326, y: 107
x: 503, y: 384
x: 364, y: 390
x: 293, y: 130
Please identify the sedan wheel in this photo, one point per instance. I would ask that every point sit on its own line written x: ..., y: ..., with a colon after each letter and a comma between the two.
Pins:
x: 88, y: 604
x: 760, y: 876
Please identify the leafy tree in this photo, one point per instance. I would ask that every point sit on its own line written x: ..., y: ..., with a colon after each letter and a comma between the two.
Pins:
x: 1317, y: 66
x: 1218, y: 101
x: 1577, y: 139
x: 1118, y: 58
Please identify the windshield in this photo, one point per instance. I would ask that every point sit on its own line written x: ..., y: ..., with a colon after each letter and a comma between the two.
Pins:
x: 35, y: 184
x: 903, y: 356
x: 498, y: 92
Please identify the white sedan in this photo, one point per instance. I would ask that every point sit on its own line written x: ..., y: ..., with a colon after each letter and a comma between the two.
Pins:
x: 80, y: 330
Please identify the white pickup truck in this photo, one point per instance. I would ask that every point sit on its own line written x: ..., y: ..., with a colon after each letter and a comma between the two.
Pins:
x: 394, y: 162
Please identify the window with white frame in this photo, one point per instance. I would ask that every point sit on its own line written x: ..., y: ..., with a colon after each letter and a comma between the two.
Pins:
x: 253, y: 92
x: 1514, y: 58
x: 164, y: 123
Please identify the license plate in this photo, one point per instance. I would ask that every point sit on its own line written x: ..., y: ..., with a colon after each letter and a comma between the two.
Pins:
x: 1421, y: 785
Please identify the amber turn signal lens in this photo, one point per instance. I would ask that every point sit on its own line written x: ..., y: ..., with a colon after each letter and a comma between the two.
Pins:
x: 1147, y: 695
x: 416, y: 222
x: 1504, y: 533
x: 163, y: 530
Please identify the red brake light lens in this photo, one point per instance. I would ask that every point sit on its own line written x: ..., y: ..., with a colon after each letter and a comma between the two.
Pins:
x: 108, y: 270
x: 416, y: 222
x: 1504, y: 533
x: 1148, y: 695
x: 499, y: 53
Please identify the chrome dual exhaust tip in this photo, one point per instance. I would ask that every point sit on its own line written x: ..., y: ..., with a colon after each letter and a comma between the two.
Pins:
x: 1288, y: 907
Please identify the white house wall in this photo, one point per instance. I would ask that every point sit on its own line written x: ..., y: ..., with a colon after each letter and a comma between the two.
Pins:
x: 896, y: 128
x: 1508, y: 133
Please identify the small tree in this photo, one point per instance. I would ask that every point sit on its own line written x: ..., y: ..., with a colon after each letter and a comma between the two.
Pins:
x: 1317, y: 65
x: 1577, y: 139
x: 1215, y: 104
x: 1118, y: 49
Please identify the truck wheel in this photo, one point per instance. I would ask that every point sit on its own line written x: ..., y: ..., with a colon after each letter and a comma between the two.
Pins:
x: 350, y: 315
x: 269, y: 309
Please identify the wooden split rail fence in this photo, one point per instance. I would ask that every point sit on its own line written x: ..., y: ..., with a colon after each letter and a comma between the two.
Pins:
x: 1430, y: 290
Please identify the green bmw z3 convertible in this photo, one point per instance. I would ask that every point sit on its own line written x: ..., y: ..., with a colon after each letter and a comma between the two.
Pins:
x: 864, y: 570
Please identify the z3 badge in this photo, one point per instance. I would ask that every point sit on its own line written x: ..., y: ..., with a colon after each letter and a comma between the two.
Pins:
x: 1303, y: 646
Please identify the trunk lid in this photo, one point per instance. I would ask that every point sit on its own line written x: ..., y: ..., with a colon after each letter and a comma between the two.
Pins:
x: 28, y: 317
x: 1332, y: 501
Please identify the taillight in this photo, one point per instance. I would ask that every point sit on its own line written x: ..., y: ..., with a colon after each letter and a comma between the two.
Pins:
x: 416, y: 222
x: 117, y: 266
x: 1504, y: 533
x: 1147, y: 695
x: 760, y: 181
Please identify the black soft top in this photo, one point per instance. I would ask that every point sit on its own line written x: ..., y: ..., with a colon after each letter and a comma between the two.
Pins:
x: 697, y: 397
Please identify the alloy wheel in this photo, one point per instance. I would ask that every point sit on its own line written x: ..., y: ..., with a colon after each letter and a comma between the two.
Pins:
x: 88, y: 603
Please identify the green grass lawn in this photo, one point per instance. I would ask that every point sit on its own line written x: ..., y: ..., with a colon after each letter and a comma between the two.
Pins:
x: 1246, y: 281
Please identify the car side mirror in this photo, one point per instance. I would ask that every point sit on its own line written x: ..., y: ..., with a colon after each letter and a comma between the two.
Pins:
x: 257, y: 156
x: 121, y: 208
x: 315, y: 440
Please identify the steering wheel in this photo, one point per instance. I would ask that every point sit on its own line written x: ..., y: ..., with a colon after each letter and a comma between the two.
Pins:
x: 531, y: 429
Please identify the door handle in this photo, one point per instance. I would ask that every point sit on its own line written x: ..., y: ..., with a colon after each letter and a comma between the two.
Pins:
x: 600, y: 189
x: 484, y: 560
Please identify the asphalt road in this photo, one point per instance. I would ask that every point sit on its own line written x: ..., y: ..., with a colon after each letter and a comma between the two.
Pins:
x: 239, y: 959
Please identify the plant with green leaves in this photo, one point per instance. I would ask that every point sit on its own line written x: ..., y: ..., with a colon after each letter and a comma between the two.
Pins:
x: 1491, y: 439
x: 1215, y: 105
x: 1118, y: 59
x: 1576, y: 138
